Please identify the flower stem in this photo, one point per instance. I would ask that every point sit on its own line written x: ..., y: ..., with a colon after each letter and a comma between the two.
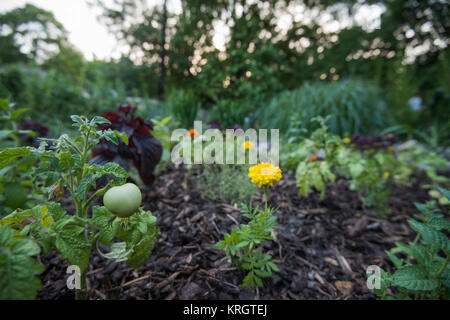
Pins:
x: 265, y: 195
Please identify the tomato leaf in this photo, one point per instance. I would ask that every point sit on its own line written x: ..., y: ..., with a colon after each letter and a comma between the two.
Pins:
x: 71, y: 242
x: 17, y: 269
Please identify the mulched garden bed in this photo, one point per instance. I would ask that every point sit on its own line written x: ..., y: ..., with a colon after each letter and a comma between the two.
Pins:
x: 322, y: 248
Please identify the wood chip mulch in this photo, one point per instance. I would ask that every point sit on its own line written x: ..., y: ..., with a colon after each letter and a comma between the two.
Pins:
x: 322, y: 248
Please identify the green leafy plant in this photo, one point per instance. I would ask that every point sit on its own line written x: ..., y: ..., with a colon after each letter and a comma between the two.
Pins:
x: 242, y: 245
x: 9, y: 135
x: 226, y: 183
x: 315, y: 157
x: 369, y: 163
x: 313, y: 174
x: 18, y: 269
x: 15, y: 180
x: 355, y: 106
x: 415, y: 157
x: 373, y: 171
x: 184, y: 105
x: 422, y: 270
x: 369, y: 173
x: 64, y: 166
x: 231, y: 112
x: 162, y: 130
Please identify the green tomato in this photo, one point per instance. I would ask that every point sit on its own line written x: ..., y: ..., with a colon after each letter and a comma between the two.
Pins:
x: 123, y: 200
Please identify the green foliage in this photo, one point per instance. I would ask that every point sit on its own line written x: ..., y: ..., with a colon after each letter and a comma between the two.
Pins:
x: 184, y: 106
x: 138, y: 234
x: 9, y: 134
x: 123, y: 76
x: 230, y: 113
x: 354, y: 106
x: 313, y: 174
x: 369, y: 173
x: 243, y: 245
x: 226, y: 183
x: 162, y: 131
x: 15, y: 180
x: 414, y: 157
x: 12, y: 83
x: 18, y: 269
x: 425, y: 272
x: 402, y: 86
x: 64, y: 164
x: 315, y: 156
x: 50, y: 96
x: 68, y: 61
x: 239, y: 86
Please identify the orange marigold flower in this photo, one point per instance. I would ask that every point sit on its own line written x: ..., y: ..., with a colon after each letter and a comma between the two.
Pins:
x: 192, y: 133
x: 313, y: 158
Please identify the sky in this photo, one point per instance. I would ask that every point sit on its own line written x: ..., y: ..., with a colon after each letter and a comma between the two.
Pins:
x: 85, y: 32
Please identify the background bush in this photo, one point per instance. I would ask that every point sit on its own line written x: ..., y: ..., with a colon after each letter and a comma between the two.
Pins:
x: 184, y: 105
x: 355, y: 107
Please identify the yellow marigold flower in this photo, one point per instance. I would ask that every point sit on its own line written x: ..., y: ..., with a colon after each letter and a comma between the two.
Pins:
x: 192, y: 133
x: 264, y: 174
x: 391, y: 149
x: 346, y: 140
x: 247, y: 145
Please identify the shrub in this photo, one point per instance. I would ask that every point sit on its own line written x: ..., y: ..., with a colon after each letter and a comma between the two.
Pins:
x: 354, y: 106
x: 229, y: 113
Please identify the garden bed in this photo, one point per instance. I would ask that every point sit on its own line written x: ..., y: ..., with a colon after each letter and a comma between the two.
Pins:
x: 322, y: 248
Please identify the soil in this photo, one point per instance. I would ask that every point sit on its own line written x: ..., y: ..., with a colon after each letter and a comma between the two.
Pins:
x: 322, y: 247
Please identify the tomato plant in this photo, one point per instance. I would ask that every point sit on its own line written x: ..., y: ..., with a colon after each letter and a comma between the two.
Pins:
x: 63, y: 166
x: 15, y: 182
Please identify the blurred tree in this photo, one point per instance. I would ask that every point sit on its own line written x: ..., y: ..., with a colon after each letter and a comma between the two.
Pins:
x: 137, y: 80
x: 68, y: 61
x: 29, y: 34
x: 269, y: 45
x: 143, y: 29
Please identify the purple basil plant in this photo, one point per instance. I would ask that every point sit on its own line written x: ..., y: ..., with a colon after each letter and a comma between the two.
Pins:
x: 143, y: 150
